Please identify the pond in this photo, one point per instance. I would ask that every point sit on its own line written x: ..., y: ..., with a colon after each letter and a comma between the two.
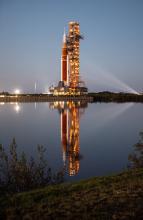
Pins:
x: 83, y: 139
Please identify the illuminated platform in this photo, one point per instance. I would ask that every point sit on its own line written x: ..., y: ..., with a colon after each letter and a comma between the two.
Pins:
x: 62, y: 89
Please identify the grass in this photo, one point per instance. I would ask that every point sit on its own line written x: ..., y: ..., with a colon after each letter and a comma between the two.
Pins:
x: 111, y: 197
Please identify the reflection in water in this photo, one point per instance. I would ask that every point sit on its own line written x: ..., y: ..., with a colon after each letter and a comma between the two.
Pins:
x: 2, y: 103
x: 17, y: 107
x: 112, y: 112
x: 35, y: 104
x: 97, y: 124
x: 70, y: 113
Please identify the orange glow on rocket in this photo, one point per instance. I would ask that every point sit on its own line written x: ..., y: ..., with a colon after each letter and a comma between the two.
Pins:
x: 64, y: 130
x: 70, y: 113
x: 64, y: 76
x: 70, y: 138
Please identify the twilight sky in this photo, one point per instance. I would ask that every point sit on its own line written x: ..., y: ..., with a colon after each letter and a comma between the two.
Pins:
x: 31, y: 34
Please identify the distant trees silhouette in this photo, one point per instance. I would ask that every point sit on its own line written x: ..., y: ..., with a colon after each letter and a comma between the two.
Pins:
x: 106, y: 96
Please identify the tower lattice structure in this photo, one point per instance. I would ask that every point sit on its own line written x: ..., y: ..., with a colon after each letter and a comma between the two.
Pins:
x: 73, y: 43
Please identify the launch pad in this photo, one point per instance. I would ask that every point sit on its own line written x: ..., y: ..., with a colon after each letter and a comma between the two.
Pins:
x: 63, y: 89
x: 70, y: 83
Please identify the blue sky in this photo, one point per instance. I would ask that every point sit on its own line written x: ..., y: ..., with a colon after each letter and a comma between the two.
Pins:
x: 31, y: 36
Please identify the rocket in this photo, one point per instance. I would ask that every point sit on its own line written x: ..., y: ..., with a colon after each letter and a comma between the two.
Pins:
x: 64, y: 64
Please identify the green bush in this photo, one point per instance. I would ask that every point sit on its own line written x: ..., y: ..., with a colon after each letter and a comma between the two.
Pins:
x: 19, y: 174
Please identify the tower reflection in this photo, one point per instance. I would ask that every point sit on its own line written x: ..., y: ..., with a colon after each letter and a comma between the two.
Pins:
x: 70, y: 113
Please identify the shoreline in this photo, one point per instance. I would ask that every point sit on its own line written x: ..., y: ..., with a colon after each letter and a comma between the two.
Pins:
x: 117, y: 196
x: 89, y: 98
x: 43, y: 98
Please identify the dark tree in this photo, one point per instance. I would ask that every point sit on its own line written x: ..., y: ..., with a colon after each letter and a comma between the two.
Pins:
x: 17, y: 173
x: 136, y: 158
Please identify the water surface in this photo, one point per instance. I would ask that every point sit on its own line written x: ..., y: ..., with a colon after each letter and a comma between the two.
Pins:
x: 82, y: 139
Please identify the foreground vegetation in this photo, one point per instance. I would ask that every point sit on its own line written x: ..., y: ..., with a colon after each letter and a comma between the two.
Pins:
x: 117, y: 196
x: 114, y: 197
x: 17, y: 173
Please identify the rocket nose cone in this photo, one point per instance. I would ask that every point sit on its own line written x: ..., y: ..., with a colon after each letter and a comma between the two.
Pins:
x: 64, y: 36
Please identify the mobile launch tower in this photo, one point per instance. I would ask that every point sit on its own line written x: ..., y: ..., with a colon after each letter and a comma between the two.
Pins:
x: 70, y: 82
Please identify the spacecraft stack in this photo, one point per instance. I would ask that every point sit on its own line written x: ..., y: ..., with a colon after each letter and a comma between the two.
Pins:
x: 64, y: 65
x: 70, y: 83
